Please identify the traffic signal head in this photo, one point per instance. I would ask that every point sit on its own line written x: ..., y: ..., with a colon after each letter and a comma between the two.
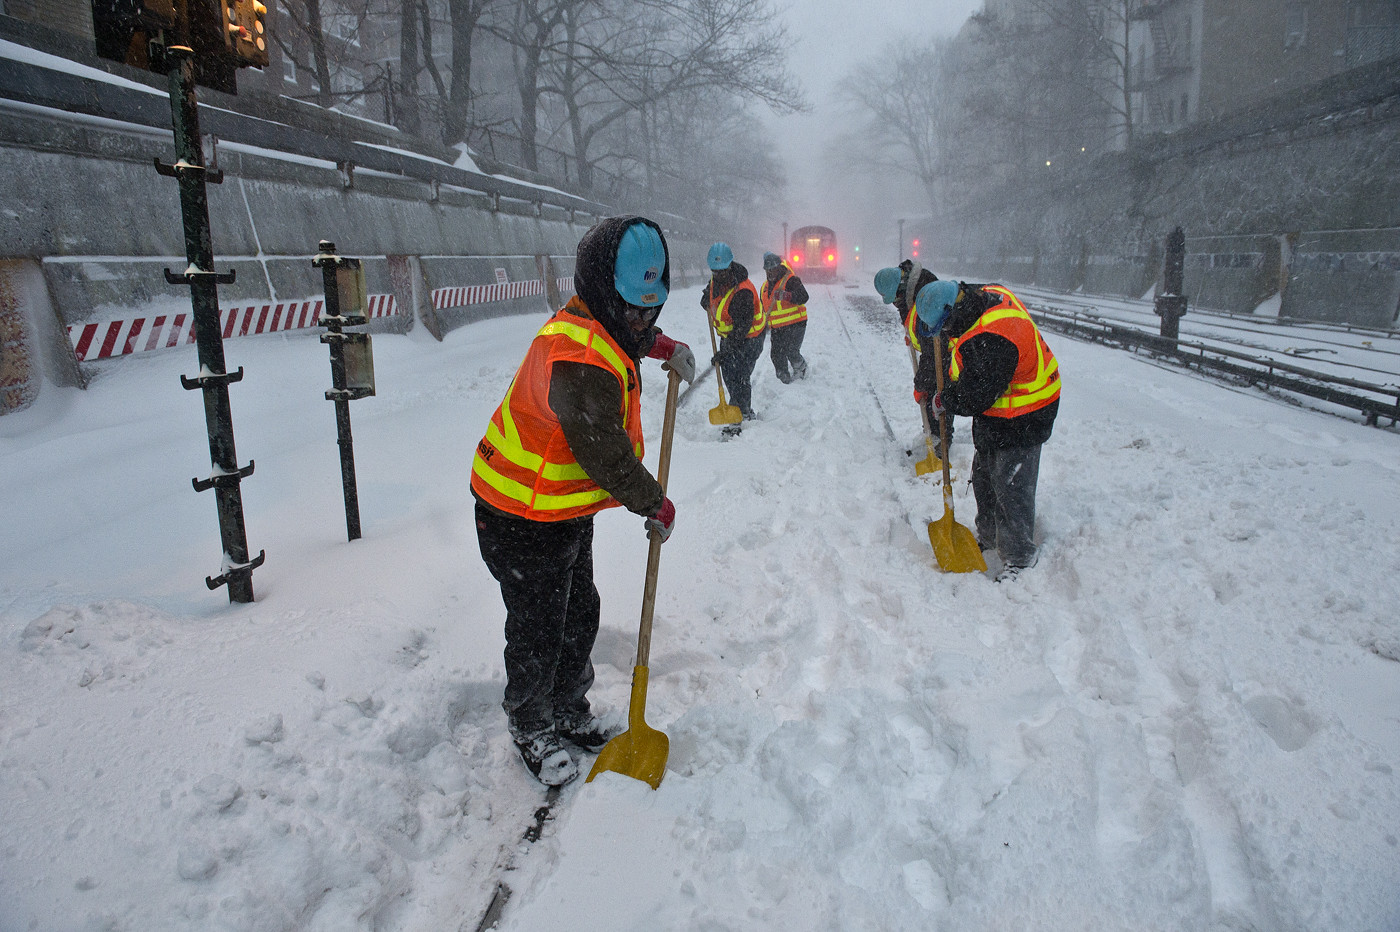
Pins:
x: 245, y: 31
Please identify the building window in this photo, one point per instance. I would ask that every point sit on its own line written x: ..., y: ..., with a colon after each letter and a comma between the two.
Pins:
x: 1295, y: 26
x: 1184, y: 98
x: 289, y: 70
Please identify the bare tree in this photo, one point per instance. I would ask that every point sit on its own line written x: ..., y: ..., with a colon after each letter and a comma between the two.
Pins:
x: 301, y: 36
x: 1066, y: 70
x: 408, y: 113
x: 466, y: 16
x: 910, y: 116
x: 627, y: 57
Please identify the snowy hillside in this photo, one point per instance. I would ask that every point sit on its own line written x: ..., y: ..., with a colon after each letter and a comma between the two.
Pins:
x: 1187, y: 717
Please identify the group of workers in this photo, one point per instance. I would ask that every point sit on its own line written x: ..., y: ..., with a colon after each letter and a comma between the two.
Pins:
x: 566, y: 441
x: 742, y: 315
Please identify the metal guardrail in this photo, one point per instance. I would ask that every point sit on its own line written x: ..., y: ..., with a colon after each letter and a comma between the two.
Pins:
x: 1254, y: 370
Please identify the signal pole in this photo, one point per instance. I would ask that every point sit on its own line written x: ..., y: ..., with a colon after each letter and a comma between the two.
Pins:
x: 213, y: 379
x: 163, y: 35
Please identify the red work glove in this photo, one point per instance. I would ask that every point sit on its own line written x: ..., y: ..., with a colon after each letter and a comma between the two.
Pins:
x: 662, y: 348
x: 938, y: 409
x: 676, y: 354
x: 920, y: 397
x: 663, y: 521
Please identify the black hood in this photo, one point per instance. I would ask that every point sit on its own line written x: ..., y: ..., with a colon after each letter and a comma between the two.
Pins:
x: 975, y: 302
x: 901, y: 297
x: 594, y: 265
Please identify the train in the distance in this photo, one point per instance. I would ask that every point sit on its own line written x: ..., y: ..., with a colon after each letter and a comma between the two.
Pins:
x: 812, y: 254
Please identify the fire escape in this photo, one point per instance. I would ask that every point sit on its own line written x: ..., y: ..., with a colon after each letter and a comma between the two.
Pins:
x: 1171, y: 57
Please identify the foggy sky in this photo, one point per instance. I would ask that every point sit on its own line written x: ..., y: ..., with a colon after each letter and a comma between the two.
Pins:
x: 829, y: 38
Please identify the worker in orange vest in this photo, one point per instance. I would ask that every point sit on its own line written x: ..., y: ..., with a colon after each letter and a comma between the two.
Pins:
x: 894, y: 287
x: 564, y: 444
x: 783, y: 298
x: 1003, y: 375
x: 732, y: 302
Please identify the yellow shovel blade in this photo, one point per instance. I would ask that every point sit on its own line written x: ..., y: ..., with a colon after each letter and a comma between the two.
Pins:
x: 928, y: 464
x: 954, y: 546
x: 639, y: 752
x: 726, y: 414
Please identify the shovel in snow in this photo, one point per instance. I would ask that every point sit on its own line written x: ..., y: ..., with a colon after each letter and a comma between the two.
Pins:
x: 954, y: 546
x: 726, y: 413
x: 930, y: 463
x: 640, y: 752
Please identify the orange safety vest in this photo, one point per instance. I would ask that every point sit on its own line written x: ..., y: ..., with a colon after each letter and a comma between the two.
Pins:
x: 775, y: 311
x: 524, y: 466
x: 911, y: 321
x: 720, y: 312
x: 1036, y: 382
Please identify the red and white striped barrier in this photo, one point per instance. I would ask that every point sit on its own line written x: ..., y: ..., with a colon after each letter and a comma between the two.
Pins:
x: 139, y: 334
x: 484, y: 294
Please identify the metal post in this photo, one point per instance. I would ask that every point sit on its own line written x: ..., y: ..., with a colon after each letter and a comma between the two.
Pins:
x: 901, y: 240
x: 189, y: 170
x: 1170, y: 305
x: 786, y: 244
x: 341, y: 392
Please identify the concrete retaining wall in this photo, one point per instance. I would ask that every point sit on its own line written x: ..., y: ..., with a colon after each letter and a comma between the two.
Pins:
x: 1298, y: 200
x: 95, y: 225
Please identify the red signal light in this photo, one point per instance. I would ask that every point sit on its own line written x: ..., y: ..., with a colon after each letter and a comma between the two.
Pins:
x: 831, y: 258
x: 797, y: 258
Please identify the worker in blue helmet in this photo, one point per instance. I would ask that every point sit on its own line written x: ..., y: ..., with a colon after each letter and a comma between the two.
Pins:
x: 564, y: 444
x: 737, y: 316
x: 783, y: 298
x: 892, y: 284
x: 1004, y: 376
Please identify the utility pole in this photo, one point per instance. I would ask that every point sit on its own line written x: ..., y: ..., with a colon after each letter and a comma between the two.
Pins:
x: 901, y: 239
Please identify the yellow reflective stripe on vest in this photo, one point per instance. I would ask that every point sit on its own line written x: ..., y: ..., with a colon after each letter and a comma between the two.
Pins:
x: 525, y: 495
x: 535, y: 463
x: 584, y: 337
x: 724, y: 326
x: 910, y: 329
x: 508, y: 443
x: 1018, y: 394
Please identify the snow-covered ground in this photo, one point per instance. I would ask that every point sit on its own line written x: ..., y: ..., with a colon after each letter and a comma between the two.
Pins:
x: 1186, y: 717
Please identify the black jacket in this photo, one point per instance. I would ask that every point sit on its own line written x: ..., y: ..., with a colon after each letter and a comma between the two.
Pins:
x: 741, y: 307
x: 988, y: 365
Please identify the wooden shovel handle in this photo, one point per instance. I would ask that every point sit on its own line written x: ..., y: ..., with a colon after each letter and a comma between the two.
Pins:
x: 942, y: 422
x: 663, y: 471
x: 714, y: 349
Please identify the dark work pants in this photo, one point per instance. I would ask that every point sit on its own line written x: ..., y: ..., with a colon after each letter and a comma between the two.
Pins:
x: 1003, y: 481
x: 545, y: 569
x: 738, y: 369
x: 786, y: 351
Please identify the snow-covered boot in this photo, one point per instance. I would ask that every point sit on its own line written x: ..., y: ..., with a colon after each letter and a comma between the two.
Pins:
x: 583, y: 730
x: 544, y: 754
